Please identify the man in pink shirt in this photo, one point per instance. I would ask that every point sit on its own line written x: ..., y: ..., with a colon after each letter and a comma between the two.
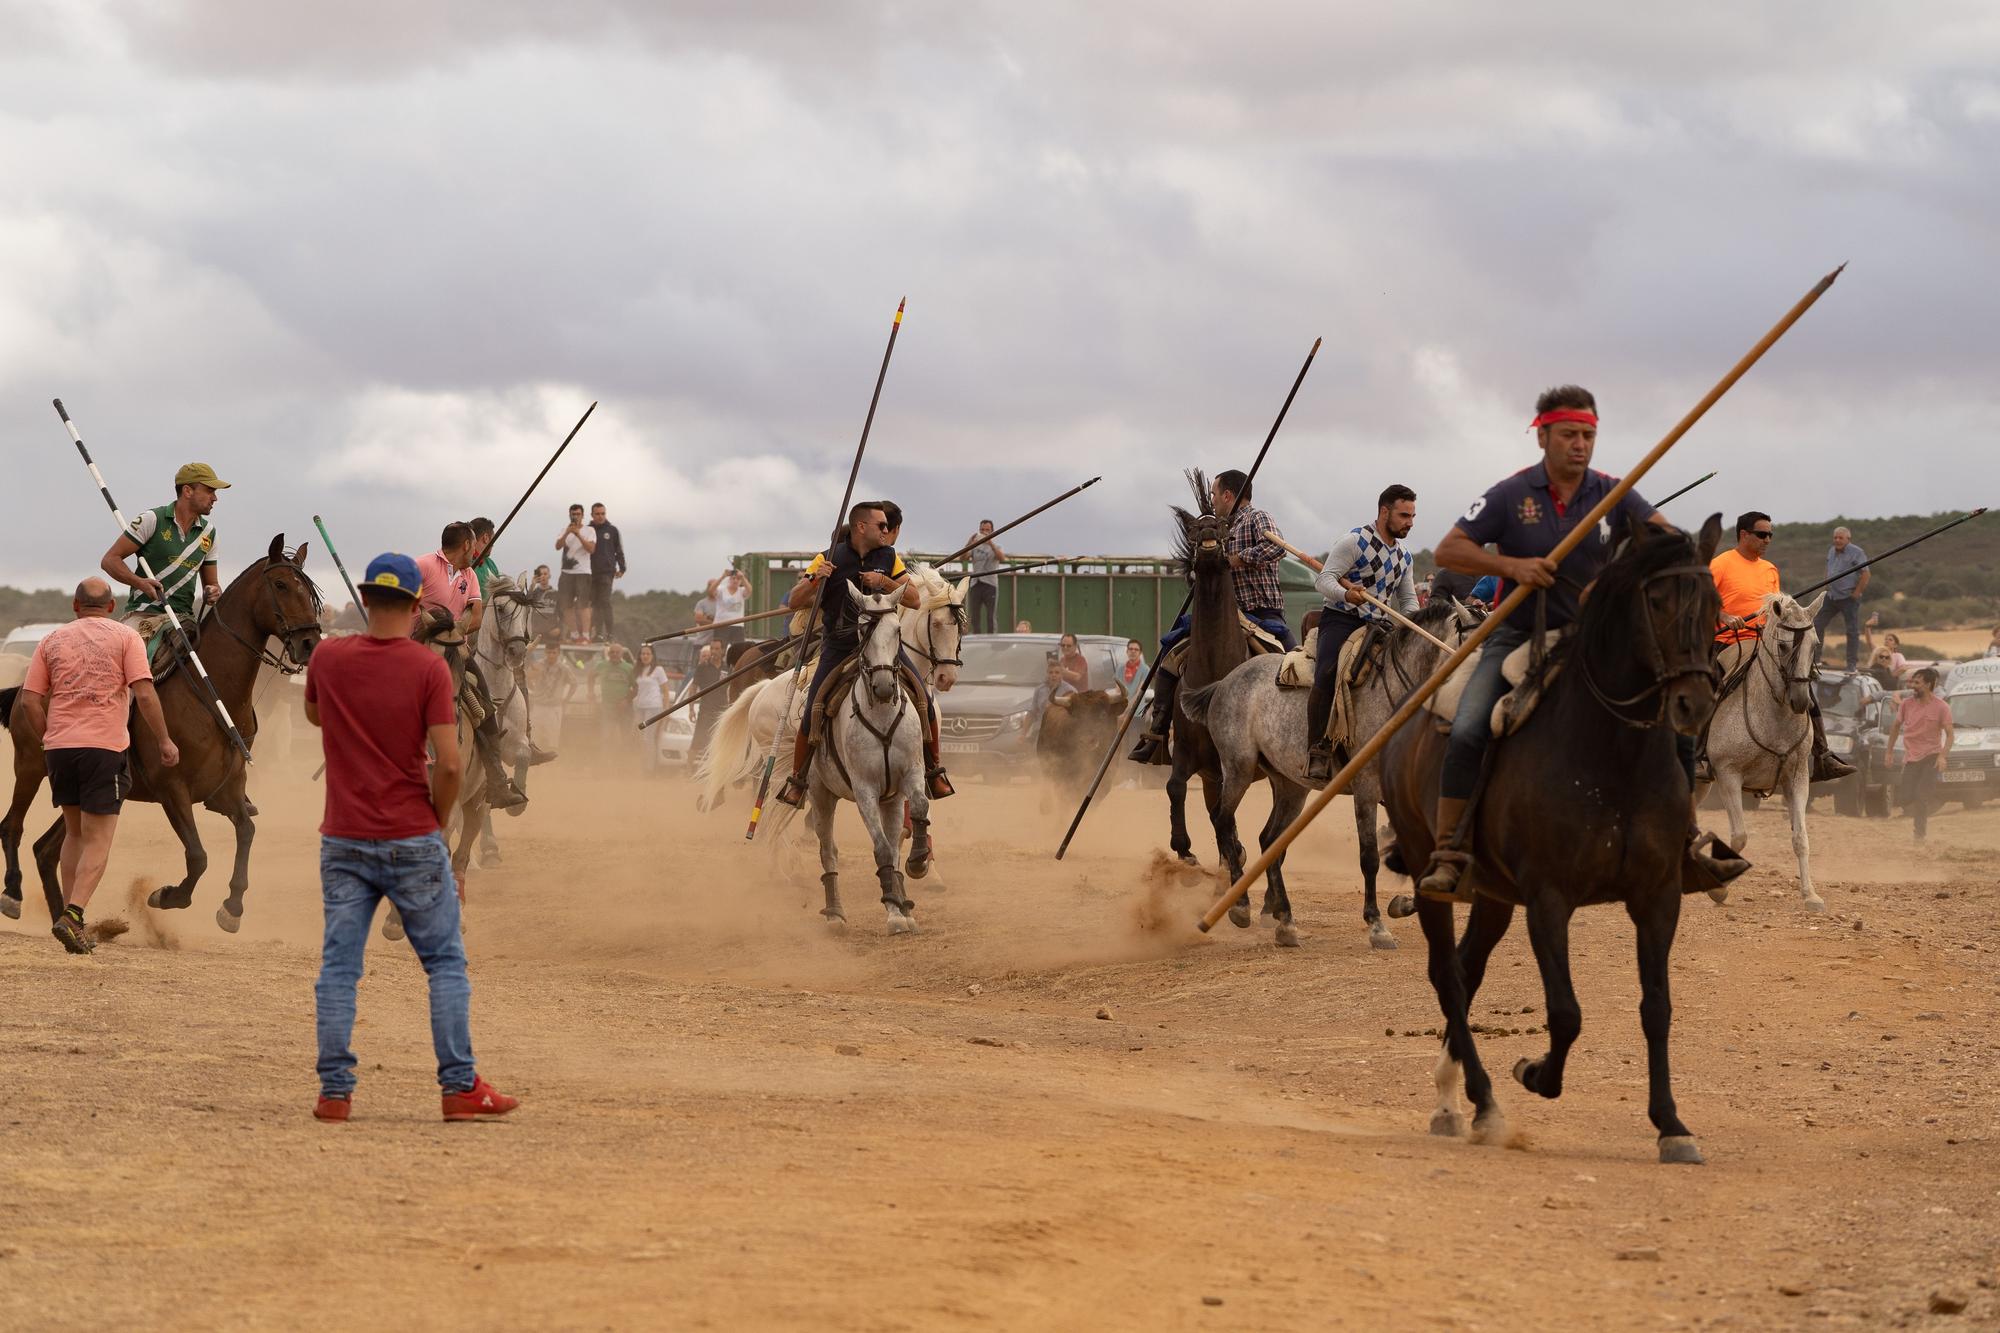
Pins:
x: 1924, y: 723
x: 75, y: 702
x: 451, y: 591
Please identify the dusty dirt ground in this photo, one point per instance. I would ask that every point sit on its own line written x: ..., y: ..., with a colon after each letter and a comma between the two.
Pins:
x: 1055, y: 1106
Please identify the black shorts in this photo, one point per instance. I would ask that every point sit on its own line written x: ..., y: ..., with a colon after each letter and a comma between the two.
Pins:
x: 95, y: 780
x: 572, y: 590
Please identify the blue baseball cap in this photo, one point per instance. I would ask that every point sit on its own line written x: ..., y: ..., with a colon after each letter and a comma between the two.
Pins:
x: 393, y: 572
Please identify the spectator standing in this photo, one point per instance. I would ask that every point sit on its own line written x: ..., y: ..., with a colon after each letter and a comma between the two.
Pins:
x: 1993, y: 643
x: 1075, y: 668
x: 540, y: 583
x: 552, y: 683
x: 732, y: 600
x: 984, y: 599
x: 649, y: 695
x: 377, y: 699
x: 607, y: 566
x: 1843, y: 595
x: 611, y: 685
x: 1924, y: 722
x: 75, y: 703
x: 576, y: 542
x: 1133, y: 670
x: 707, y: 712
x: 1023, y: 627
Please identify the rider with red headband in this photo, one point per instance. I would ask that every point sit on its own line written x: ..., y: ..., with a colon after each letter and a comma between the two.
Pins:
x: 1523, y: 517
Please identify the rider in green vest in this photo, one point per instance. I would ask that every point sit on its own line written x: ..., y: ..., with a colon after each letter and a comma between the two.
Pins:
x: 177, y: 542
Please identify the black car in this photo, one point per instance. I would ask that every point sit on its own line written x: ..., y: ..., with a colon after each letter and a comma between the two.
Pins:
x: 1848, y: 706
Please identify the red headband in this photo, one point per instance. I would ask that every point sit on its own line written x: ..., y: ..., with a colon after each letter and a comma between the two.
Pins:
x: 1563, y: 414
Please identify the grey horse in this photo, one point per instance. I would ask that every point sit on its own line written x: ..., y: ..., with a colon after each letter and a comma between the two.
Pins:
x: 1260, y: 731
x: 873, y: 755
x: 1760, y: 738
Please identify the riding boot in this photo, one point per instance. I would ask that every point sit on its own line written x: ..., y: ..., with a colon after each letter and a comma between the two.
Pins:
x: 1449, y: 858
x: 1826, y: 766
x: 793, y: 793
x: 935, y: 780
x: 1153, y: 747
x: 1709, y: 863
x: 501, y: 793
x: 1319, y: 751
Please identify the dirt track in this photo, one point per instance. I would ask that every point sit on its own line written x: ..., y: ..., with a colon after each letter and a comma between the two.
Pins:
x: 695, y: 1150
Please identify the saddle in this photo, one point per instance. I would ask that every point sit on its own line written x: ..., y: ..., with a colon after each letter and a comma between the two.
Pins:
x: 1260, y: 641
x: 840, y: 683
x: 1518, y: 704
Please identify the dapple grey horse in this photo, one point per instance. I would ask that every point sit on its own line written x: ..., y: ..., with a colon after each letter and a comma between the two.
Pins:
x: 873, y: 755
x: 1260, y: 730
x: 1761, y: 736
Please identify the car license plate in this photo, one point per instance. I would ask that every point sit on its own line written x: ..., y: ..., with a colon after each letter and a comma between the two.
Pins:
x: 1963, y: 775
x: 960, y: 747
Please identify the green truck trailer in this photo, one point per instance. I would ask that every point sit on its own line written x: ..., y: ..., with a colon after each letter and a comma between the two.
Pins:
x: 1132, y: 596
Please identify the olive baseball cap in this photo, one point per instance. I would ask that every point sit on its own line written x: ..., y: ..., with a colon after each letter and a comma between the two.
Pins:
x: 200, y: 474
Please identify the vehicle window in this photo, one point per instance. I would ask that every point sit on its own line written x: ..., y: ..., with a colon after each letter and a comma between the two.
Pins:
x: 18, y: 648
x: 1839, y: 696
x: 1006, y: 663
x: 1975, y: 710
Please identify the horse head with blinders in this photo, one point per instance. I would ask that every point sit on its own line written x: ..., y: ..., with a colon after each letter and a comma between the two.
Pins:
x: 934, y: 629
x: 1200, y: 546
x: 1787, y: 645
x: 1656, y: 594
x: 278, y: 600
x: 880, y: 630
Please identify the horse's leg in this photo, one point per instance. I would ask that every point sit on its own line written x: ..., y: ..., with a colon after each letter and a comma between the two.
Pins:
x: 823, y: 802
x: 1221, y: 796
x: 230, y: 915
x: 48, y: 852
x: 895, y: 823
x: 1489, y: 1124
x: 1178, y: 841
x: 180, y: 816
x: 919, y: 814
x: 1379, y: 935
x: 1286, y: 802
x: 1548, y: 932
x: 1797, y: 793
x: 1656, y: 918
x: 28, y: 773
x: 1484, y: 925
x: 1729, y: 782
x: 882, y: 837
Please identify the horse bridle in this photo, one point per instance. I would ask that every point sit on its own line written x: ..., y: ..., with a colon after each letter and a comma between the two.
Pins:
x: 286, y: 631
x: 865, y: 623
x: 1695, y: 650
x: 928, y: 652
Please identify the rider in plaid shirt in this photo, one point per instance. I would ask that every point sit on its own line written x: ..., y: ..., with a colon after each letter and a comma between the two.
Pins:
x: 1254, y: 557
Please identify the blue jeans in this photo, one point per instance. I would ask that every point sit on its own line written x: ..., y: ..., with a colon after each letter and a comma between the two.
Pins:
x: 415, y: 875
x: 1268, y: 618
x: 1849, y: 610
x: 1472, y: 724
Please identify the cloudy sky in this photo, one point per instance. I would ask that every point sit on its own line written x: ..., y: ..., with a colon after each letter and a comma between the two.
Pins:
x: 371, y: 260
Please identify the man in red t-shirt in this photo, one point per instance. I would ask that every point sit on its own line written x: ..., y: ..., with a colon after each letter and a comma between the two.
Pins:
x: 378, y: 698
x: 1924, y: 722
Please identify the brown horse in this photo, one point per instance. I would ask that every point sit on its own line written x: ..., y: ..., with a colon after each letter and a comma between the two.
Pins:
x: 272, y: 598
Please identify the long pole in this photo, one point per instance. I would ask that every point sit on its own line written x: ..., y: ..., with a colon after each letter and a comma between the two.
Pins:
x: 773, y: 647
x: 1684, y: 490
x: 1104, y: 766
x: 812, y: 616
x: 1508, y: 605
x: 978, y: 542
x: 180, y: 633
x: 1803, y: 592
x: 1366, y: 595
x: 538, y: 477
x: 360, y: 609
x: 718, y: 624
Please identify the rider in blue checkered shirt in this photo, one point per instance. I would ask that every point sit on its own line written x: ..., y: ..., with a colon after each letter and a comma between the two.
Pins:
x: 1370, y: 559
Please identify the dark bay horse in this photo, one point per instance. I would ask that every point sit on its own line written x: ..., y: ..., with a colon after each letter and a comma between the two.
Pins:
x: 272, y: 598
x: 1216, y: 647
x: 1587, y: 803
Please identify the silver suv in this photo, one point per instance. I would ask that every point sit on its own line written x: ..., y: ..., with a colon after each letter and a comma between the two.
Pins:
x: 986, y: 721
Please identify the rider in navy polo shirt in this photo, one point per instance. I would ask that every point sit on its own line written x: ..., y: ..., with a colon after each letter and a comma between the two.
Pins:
x: 1524, y: 517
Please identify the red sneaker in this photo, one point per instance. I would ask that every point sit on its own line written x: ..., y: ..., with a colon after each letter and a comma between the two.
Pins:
x: 478, y: 1100
x: 333, y: 1108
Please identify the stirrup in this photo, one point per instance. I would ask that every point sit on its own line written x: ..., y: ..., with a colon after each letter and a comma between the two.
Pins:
x: 793, y: 793
x: 1709, y: 864
x: 504, y: 795
x: 1444, y: 879
x: 1829, y: 767
x: 537, y: 755
x: 1319, y: 761
x: 938, y: 784
x: 1151, y: 749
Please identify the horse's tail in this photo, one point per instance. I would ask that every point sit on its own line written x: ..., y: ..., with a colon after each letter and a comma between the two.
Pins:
x: 732, y: 750
x: 1196, y: 702
x: 7, y: 698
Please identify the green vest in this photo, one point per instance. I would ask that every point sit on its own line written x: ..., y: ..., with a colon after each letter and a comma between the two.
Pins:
x: 175, y: 560
x: 485, y: 571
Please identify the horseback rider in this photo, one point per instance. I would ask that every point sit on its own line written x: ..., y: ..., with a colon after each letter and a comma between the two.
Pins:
x: 863, y: 558
x: 1744, y: 577
x: 1524, y: 517
x: 451, y: 600
x: 1369, y: 559
x: 178, y: 543
x: 1253, y: 558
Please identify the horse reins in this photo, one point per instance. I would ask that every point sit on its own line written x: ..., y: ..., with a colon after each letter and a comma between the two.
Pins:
x: 288, y: 664
x: 1697, y: 639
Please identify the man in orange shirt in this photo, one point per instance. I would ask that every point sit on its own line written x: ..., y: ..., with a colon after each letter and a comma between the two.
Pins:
x: 78, y: 694
x: 1744, y: 578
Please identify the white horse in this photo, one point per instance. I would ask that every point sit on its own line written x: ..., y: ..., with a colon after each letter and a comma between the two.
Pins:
x: 873, y: 755
x: 931, y: 633
x: 1760, y: 738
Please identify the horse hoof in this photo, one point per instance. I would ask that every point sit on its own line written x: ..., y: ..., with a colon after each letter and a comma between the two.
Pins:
x: 916, y: 869
x: 1523, y: 1067
x: 490, y: 855
x: 1720, y: 895
x: 1448, y: 1125
x: 10, y: 907
x: 392, y: 925
x: 167, y: 900
x: 1679, y: 1150
x: 900, y: 924
x: 1490, y: 1130
x: 834, y: 920
x: 1816, y: 905
x: 231, y: 922
x: 1379, y: 936
x: 1190, y: 859
x: 1239, y: 916
x: 1402, y: 905
x: 1288, y: 938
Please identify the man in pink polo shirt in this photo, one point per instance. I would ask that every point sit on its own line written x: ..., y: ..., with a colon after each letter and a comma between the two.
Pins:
x: 75, y: 701
x: 1924, y: 722
x: 451, y: 596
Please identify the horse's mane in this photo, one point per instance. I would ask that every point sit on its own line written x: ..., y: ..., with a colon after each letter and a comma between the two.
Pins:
x: 938, y: 593
x: 1605, y: 621
x: 1183, y: 554
x: 258, y: 566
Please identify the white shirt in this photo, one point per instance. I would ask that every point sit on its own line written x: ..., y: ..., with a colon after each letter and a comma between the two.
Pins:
x: 730, y: 605
x: 576, y: 551
x: 649, y: 689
